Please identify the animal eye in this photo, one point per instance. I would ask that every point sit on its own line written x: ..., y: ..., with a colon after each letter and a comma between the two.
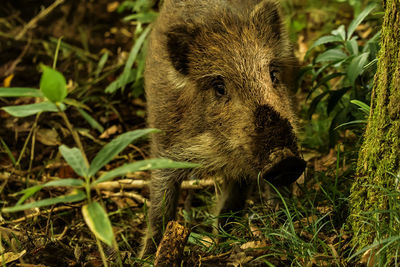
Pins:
x: 219, y: 86
x: 274, y: 74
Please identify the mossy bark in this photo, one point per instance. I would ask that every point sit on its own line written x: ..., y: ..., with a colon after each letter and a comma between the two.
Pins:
x: 379, y: 157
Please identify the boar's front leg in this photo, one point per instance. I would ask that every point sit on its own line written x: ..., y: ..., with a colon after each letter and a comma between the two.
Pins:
x: 164, y: 192
x: 232, y: 200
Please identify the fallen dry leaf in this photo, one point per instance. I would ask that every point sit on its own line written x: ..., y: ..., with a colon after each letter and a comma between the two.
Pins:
x: 326, y: 162
x: 305, y: 221
x: 334, y: 252
x: 11, y: 256
x: 7, y: 80
x: 255, y: 231
x: 111, y: 7
x: 324, y: 209
x: 48, y: 137
x: 110, y: 131
x: 254, y: 245
x: 369, y: 257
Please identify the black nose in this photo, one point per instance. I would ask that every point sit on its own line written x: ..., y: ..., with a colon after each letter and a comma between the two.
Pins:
x: 286, y: 171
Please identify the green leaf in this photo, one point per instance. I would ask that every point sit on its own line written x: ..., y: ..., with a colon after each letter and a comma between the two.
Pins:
x: 76, y: 196
x: 340, y: 32
x: 27, y: 193
x: 356, y: 67
x: 61, y: 182
x: 135, y: 49
x: 146, y: 17
x: 109, y: 151
x: 324, y: 40
x: 144, y: 165
x: 101, y: 64
x: 75, y: 159
x: 302, y: 73
x: 325, y: 79
x: 97, y: 219
x: 53, y: 85
x: 354, y: 24
x: 363, y: 107
x: 127, y: 74
x: 8, y: 151
x: 31, y: 109
x: 372, y: 44
x: 315, y: 102
x: 340, y: 117
x: 334, y: 98
x: 350, y: 123
x: 91, y: 120
x: 19, y: 92
x: 371, y: 66
x: 352, y: 46
x: 320, y: 70
x: 65, y: 182
x: 75, y: 103
x: 121, y: 81
x: 331, y: 55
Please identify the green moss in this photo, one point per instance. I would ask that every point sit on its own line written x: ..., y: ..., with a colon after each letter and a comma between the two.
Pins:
x: 379, y: 155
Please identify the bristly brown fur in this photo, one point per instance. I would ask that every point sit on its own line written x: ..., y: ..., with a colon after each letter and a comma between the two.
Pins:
x: 218, y: 80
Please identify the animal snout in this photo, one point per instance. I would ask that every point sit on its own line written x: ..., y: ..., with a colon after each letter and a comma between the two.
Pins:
x: 284, y: 167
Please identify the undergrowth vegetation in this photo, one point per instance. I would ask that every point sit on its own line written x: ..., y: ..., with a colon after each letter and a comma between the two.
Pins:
x: 54, y: 189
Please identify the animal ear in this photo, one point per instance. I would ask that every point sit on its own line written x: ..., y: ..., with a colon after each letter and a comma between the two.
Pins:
x: 179, y: 41
x: 267, y: 18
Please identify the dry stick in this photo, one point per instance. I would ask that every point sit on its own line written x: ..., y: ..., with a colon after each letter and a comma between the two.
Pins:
x: 138, y: 150
x: 5, y: 176
x: 137, y: 197
x: 10, y: 231
x: 169, y: 252
x: 26, y: 217
x: 27, y: 139
x: 32, y: 157
x: 19, y: 58
x: 139, y: 184
x: 31, y: 24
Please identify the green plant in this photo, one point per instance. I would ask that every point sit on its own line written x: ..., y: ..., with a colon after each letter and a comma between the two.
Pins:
x: 364, y: 108
x: 134, y: 66
x: 341, y: 72
x: 51, y: 97
x: 88, y: 172
x: 54, y: 92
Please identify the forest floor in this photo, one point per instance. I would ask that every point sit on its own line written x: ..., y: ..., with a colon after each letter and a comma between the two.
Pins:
x: 306, y: 229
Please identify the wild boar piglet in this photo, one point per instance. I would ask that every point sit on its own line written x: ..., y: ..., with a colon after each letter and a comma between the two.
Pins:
x: 219, y: 84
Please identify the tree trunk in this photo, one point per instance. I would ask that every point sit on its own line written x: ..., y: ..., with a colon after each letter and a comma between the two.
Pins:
x: 379, y: 157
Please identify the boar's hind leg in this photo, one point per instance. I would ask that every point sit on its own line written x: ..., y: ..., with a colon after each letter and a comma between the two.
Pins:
x: 164, y: 192
x: 232, y: 200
